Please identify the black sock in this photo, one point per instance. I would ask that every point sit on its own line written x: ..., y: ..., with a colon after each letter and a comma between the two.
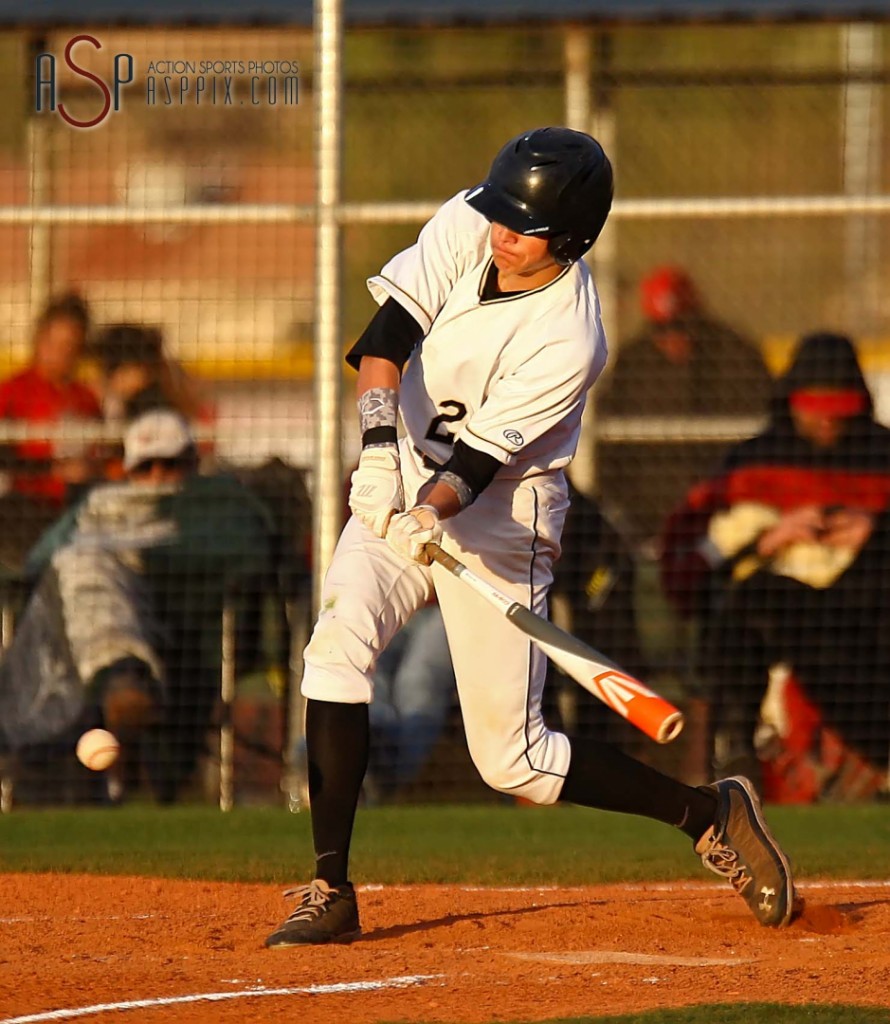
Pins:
x: 337, y: 753
x: 601, y: 776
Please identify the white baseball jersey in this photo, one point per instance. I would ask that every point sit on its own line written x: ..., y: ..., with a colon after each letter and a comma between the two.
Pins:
x: 508, y: 377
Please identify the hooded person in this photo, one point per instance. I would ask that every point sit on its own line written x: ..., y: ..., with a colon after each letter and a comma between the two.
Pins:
x: 784, y: 553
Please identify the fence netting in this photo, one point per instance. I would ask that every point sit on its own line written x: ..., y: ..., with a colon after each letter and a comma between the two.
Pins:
x: 728, y: 538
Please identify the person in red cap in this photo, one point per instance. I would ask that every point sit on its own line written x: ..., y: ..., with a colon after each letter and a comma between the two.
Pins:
x: 667, y: 295
x: 683, y: 362
x: 785, y: 555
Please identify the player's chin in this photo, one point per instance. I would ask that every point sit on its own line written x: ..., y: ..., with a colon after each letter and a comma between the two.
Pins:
x: 502, y: 261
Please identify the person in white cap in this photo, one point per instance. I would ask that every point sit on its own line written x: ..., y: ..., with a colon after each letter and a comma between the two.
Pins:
x: 128, y: 600
x: 114, y: 646
x: 160, y: 444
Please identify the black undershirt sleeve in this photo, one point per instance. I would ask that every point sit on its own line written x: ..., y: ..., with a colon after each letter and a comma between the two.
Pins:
x: 475, y: 468
x: 391, y: 334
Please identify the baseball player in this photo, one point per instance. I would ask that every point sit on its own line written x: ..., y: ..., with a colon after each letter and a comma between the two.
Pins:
x: 487, y: 339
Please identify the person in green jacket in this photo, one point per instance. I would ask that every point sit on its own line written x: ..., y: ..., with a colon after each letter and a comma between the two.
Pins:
x: 129, y: 590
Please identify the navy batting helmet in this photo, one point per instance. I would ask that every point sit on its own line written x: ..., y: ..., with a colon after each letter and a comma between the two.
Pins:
x: 555, y: 183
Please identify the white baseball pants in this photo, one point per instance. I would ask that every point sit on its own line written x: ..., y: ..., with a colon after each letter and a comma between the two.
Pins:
x: 510, y: 536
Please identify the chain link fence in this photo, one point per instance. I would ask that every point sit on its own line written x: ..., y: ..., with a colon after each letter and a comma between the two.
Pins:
x: 750, y: 165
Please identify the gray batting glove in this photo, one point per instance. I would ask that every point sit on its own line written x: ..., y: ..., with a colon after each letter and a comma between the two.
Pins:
x: 376, y: 490
x: 410, y: 532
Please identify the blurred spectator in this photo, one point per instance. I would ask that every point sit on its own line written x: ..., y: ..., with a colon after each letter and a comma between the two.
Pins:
x: 42, y: 473
x: 683, y: 362
x: 414, y: 691
x: 266, y: 627
x: 128, y: 603
x: 786, y: 557
x: 283, y: 488
x: 592, y: 597
x: 138, y: 376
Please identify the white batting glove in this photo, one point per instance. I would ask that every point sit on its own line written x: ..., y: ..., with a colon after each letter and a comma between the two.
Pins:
x: 376, y: 491
x: 410, y: 532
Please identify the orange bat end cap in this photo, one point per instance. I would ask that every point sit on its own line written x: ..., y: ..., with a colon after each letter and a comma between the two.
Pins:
x: 642, y: 707
x: 670, y: 728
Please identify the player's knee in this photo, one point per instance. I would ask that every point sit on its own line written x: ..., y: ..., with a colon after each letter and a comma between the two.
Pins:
x: 337, y: 663
x: 519, y: 777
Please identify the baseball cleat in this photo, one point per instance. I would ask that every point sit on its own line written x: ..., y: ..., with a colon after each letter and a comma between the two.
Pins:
x: 323, y: 914
x: 740, y: 848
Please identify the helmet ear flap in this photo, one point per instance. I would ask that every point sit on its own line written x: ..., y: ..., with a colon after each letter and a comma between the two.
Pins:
x: 567, y: 248
x: 560, y: 248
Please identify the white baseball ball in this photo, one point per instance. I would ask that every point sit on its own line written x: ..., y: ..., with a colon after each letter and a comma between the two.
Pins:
x: 98, y: 749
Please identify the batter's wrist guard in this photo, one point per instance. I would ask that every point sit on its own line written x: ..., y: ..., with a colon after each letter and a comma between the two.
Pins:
x: 378, y: 410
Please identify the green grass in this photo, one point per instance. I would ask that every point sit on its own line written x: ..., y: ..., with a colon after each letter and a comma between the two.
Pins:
x: 750, y: 1013
x: 482, y: 844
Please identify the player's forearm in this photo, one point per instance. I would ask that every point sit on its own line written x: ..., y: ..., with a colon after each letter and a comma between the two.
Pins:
x: 374, y: 372
x: 444, y: 499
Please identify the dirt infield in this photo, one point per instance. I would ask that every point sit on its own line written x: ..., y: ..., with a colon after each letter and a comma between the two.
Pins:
x: 191, y: 952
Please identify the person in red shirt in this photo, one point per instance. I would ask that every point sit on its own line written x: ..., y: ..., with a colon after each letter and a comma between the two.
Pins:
x: 41, y: 472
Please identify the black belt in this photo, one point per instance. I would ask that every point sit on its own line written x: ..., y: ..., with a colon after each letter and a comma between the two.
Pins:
x: 426, y: 460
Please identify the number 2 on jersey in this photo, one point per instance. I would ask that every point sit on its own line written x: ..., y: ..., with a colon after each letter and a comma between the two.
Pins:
x: 459, y: 410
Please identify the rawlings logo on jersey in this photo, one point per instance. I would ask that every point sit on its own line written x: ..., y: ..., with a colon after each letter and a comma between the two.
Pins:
x: 514, y: 437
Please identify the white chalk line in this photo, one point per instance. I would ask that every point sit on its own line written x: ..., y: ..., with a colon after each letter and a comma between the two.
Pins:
x: 217, y: 997
x: 79, y: 917
x: 652, y: 887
